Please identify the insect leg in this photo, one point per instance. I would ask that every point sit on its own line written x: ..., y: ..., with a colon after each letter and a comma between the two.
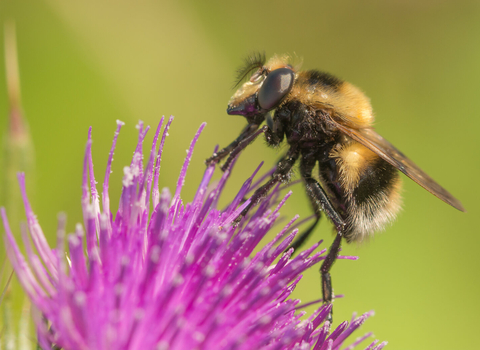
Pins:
x: 300, y: 239
x: 306, y: 169
x: 314, y: 189
x: 327, y: 289
x: 320, y: 200
x: 242, y: 145
x: 246, y: 132
x: 317, y: 194
x: 280, y: 175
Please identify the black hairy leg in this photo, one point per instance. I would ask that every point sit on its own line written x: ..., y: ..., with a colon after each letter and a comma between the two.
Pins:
x: 281, y: 174
x: 241, y: 146
x: 248, y: 131
x: 320, y: 201
x: 306, y: 171
x: 302, y: 238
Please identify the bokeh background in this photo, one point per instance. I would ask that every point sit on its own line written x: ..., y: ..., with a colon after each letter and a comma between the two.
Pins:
x: 87, y: 63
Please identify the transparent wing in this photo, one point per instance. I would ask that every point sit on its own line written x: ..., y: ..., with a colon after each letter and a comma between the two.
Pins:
x: 376, y: 143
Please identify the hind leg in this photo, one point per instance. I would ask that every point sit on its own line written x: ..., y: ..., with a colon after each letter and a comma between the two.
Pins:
x: 320, y: 201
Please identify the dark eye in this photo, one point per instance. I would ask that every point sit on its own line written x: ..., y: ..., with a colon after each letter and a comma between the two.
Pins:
x: 277, y: 84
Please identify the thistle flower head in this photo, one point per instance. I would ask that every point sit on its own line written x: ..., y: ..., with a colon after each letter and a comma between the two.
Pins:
x: 180, y: 276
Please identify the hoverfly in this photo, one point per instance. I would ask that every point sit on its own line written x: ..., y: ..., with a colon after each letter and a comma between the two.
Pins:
x: 328, y: 121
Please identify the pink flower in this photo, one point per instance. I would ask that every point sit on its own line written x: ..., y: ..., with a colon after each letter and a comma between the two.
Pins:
x: 179, y: 277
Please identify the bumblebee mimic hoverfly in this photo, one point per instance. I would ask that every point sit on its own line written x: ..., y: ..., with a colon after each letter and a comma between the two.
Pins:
x: 328, y: 121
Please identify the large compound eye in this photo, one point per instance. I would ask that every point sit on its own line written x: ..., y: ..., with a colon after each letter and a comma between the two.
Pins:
x: 277, y: 84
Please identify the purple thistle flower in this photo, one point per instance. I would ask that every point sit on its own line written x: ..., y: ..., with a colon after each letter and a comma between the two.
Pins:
x: 180, y: 277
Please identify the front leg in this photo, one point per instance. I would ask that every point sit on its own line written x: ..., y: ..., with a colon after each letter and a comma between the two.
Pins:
x: 242, y: 145
x: 246, y: 132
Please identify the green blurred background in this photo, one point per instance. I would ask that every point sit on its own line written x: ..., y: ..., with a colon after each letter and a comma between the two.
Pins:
x: 87, y: 63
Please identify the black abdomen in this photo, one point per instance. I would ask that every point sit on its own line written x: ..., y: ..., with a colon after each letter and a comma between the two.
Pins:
x: 367, y: 190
